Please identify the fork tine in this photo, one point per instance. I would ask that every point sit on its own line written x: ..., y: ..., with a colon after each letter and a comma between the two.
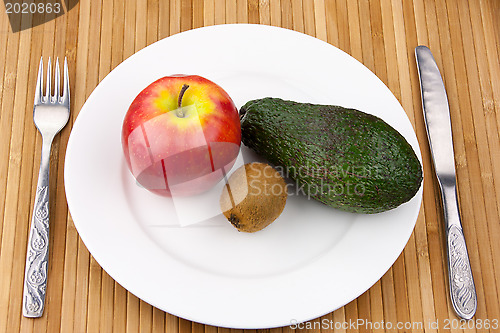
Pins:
x: 65, y: 95
x: 49, y: 81
x: 39, y: 83
x: 57, y: 91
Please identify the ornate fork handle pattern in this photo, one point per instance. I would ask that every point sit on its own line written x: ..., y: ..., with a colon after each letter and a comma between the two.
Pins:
x: 35, y: 278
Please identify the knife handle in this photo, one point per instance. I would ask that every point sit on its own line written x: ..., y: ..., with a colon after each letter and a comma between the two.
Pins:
x: 462, y: 289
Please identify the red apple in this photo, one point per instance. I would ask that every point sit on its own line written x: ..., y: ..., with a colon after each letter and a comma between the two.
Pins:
x: 180, y: 135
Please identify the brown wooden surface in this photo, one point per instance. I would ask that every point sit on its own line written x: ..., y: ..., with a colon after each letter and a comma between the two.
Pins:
x: 97, y: 35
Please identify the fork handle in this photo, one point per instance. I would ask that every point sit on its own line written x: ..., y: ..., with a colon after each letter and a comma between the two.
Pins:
x: 35, y: 276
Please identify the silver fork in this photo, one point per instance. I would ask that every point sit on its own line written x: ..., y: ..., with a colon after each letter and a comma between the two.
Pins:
x: 50, y: 114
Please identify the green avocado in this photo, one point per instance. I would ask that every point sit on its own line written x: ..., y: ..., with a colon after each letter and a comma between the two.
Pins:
x: 344, y: 158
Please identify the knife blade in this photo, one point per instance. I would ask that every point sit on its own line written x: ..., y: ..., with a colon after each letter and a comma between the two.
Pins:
x: 438, y: 125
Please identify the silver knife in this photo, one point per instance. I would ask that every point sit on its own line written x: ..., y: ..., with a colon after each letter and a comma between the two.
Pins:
x: 438, y: 125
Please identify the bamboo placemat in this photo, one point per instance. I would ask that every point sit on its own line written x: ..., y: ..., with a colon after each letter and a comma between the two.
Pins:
x: 97, y: 35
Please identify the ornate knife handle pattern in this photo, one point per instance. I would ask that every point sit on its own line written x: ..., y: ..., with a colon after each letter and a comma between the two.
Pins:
x: 462, y: 290
x: 463, y: 293
x: 35, y: 276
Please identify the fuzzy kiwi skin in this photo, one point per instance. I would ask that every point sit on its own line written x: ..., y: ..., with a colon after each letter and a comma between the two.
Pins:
x: 254, y: 196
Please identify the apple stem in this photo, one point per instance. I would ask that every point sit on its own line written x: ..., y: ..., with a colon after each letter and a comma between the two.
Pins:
x: 180, y: 113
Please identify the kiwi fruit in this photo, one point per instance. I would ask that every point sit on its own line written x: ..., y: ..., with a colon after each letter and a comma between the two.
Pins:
x: 253, y: 197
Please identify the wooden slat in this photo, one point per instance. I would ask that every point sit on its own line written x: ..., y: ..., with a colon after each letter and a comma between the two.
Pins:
x: 298, y: 15
x: 231, y: 12
x: 93, y: 61
x: 264, y: 12
x: 69, y: 269
x: 220, y: 11
x: 163, y: 19
x: 96, y: 36
x: 286, y: 14
x: 209, y: 12
x: 309, y: 20
x: 198, y: 13
x: 275, y: 12
x: 4, y: 121
x: 242, y: 11
x: 105, y: 58
x: 253, y: 11
x: 152, y: 21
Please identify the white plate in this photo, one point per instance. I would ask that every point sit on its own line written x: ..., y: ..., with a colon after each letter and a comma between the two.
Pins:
x: 309, y: 262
